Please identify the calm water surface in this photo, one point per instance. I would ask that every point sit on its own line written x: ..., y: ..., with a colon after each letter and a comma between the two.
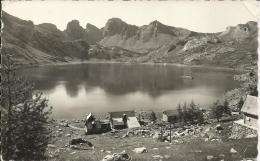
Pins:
x: 74, y: 90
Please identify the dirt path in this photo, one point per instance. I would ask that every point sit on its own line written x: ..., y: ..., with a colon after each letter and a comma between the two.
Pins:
x: 77, y: 128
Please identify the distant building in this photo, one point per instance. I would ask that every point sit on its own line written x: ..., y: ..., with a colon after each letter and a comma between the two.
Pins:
x: 170, y: 116
x: 123, y: 119
x: 249, y: 110
x: 94, y: 126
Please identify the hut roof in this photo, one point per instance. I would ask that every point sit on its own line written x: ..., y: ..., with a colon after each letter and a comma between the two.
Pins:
x: 119, y: 114
x: 90, y: 117
x: 250, y: 105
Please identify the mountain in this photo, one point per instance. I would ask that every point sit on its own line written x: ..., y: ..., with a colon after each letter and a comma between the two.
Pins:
x: 93, y: 34
x: 236, y: 47
x: 141, y: 39
x: 38, y: 44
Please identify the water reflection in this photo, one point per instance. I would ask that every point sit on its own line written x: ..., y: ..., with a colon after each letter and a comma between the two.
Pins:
x: 108, y: 87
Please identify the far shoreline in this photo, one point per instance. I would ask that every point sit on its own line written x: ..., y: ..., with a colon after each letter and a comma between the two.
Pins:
x: 96, y: 61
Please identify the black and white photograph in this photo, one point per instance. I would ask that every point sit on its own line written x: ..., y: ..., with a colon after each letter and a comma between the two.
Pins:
x: 134, y: 80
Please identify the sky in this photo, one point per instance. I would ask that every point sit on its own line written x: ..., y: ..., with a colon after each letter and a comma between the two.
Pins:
x: 200, y: 16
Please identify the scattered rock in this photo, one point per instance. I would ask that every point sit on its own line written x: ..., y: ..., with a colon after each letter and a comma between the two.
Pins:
x: 157, y: 156
x: 197, y: 151
x: 74, y: 147
x: 219, y: 127
x: 125, y: 135
x: 76, y: 141
x: 167, y: 156
x: 204, y: 135
x: 168, y: 147
x: 73, y: 152
x: 68, y: 135
x: 51, y: 146
x: 208, y: 129
x: 158, y: 137
x: 108, y: 158
x: 123, y: 156
x: 209, y: 157
x: 232, y: 150
x: 221, y: 155
x: 251, y: 136
x: 140, y: 150
x: 64, y: 124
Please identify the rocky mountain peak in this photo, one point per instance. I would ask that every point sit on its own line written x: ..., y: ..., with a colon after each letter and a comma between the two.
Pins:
x: 93, y: 34
x: 74, y: 30
x: 90, y: 27
x: 117, y: 26
x: 48, y: 26
x: 155, y: 22
x: 240, y: 32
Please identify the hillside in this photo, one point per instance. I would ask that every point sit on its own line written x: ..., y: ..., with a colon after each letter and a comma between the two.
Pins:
x: 118, y: 41
x: 235, y: 47
x: 38, y: 44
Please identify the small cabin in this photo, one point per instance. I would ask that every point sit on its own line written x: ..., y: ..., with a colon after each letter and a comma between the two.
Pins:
x: 249, y: 110
x: 170, y: 116
x: 123, y: 119
x: 94, y: 126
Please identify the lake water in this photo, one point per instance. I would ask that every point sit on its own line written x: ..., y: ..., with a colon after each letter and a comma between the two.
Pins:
x: 74, y: 90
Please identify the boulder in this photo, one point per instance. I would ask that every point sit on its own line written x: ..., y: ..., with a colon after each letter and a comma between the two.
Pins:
x: 77, y: 141
x: 168, y: 147
x: 157, y: 136
x: 65, y: 124
x: 167, y: 156
x: 125, y: 135
x: 208, y: 129
x: 68, y: 135
x: 157, y: 156
x: 51, y: 146
x: 123, y: 156
x: 219, y: 127
x: 233, y: 151
x: 140, y: 150
x: 75, y: 147
x: 209, y: 157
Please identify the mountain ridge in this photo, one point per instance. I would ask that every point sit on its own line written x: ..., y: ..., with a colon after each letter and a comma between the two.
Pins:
x: 120, y: 41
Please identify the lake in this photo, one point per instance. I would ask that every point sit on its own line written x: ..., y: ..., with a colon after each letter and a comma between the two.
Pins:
x: 74, y: 90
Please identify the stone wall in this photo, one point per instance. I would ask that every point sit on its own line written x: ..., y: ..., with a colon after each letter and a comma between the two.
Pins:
x: 240, y: 131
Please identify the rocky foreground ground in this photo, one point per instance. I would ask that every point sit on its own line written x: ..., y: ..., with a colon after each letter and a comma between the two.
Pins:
x: 207, y: 142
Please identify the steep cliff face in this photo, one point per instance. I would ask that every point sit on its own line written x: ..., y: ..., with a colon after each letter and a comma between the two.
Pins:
x: 93, y: 34
x: 74, y: 30
x: 140, y: 39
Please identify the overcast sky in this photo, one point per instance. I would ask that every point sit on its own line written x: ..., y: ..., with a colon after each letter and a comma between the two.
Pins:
x: 201, y: 16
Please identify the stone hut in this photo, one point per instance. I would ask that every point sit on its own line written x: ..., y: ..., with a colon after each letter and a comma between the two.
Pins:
x: 249, y: 110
